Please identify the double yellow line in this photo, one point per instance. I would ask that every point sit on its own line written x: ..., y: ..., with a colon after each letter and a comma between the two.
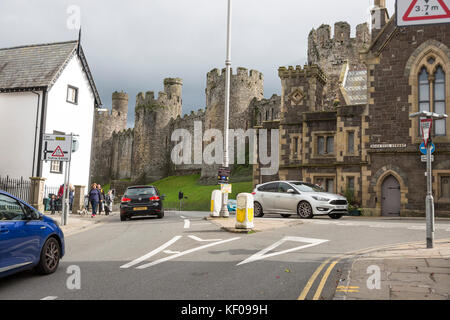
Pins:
x: 335, y: 260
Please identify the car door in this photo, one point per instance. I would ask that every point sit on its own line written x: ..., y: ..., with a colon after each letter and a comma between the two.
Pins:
x: 286, y: 202
x: 17, y: 245
x: 269, y: 196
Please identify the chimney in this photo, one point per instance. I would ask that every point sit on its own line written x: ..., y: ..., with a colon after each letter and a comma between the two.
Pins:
x: 379, y: 15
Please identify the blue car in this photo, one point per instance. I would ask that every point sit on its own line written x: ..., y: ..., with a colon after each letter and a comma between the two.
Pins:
x: 28, y: 239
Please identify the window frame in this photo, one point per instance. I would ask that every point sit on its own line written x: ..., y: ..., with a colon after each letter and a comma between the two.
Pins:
x: 19, y: 204
x: 60, y: 171
x: 69, y: 87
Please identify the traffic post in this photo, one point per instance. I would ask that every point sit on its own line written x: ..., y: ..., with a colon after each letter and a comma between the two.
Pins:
x: 426, y: 125
x: 244, y: 211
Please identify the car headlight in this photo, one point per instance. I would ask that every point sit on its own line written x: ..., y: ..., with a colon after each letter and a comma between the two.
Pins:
x: 320, y: 199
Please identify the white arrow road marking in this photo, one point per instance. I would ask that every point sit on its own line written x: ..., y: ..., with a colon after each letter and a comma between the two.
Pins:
x: 263, y: 253
x: 184, y: 253
x: 187, y: 224
x: 201, y: 240
x: 50, y: 298
x: 150, y: 254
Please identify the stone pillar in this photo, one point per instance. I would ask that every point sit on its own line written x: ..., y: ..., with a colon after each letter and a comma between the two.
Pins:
x: 36, y: 198
x: 78, y: 199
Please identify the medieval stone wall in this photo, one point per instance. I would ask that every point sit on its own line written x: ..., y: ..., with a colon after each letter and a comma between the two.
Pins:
x: 121, y: 155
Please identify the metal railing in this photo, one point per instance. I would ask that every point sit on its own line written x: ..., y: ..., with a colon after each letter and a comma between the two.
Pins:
x: 19, y: 188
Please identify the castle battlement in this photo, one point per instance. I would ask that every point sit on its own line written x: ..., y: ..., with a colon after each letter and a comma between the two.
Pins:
x: 342, y: 31
x: 242, y: 73
x: 188, y: 119
x: 124, y: 133
x: 299, y: 72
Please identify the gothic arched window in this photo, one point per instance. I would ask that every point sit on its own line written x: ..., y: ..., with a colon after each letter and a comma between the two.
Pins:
x: 439, y: 100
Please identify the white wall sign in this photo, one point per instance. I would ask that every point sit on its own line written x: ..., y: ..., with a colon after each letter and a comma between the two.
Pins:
x: 57, y: 147
x: 420, y: 12
x: 388, y: 146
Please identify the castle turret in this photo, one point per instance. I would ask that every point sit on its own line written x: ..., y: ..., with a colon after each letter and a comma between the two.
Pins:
x: 380, y: 16
x: 120, y: 109
x: 151, y: 154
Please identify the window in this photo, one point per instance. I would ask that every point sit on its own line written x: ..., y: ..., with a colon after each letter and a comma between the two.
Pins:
x: 351, y: 142
x: 10, y: 209
x: 432, y: 95
x: 271, y: 187
x: 267, y: 115
x: 296, y: 145
x: 56, y: 167
x: 284, y: 187
x: 325, y: 183
x: 439, y: 100
x: 445, y: 187
x: 72, y: 94
x: 325, y: 145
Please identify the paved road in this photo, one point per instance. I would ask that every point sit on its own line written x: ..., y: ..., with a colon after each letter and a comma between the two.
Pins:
x: 186, y: 257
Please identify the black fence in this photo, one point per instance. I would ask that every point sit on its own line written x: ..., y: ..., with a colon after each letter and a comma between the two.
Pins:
x: 19, y: 188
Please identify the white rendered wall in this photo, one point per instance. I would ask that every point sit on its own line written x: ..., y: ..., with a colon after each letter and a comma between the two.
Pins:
x: 65, y: 117
x: 18, y: 132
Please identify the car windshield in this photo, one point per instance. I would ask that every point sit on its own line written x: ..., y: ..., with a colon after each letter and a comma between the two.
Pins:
x: 141, y: 192
x: 307, y: 187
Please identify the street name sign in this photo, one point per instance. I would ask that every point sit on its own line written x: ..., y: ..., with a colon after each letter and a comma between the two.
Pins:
x: 57, y: 147
x: 424, y: 158
x: 421, y: 12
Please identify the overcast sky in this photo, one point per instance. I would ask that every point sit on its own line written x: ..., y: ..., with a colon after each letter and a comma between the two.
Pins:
x: 133, y: 45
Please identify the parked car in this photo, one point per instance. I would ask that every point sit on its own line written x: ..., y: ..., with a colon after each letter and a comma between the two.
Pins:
x: 296, y: 197
x: 141, y: 201
x: 28, y: 239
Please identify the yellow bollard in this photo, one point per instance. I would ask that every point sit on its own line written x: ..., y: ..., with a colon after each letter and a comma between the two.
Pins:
x: 216, y: 203
x: 244, y: 211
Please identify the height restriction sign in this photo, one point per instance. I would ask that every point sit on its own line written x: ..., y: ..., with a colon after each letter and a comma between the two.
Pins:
x: 419, y: 12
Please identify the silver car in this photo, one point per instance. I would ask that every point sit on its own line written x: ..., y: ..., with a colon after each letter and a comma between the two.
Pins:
x: 296, y: 197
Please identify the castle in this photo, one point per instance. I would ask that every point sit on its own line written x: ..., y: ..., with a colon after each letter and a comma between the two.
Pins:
x: 343, y: 118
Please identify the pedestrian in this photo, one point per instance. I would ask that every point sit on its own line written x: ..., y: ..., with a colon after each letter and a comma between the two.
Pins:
x: 109, y: 200
x: 94, y: 198
x: 53, y: 203
x: 101, y: 204
x: 71, y: 196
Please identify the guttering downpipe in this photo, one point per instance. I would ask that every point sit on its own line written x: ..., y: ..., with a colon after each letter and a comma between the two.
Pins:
x: 35, y: 132
x: 42, y: 130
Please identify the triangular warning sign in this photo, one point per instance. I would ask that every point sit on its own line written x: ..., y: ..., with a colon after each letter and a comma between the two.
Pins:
x: 58, y: 152
x: 427, y: 10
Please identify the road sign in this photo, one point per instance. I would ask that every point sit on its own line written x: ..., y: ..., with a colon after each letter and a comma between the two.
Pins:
x: 225, y: 188
x: 423, y: 148
x: 424, y: 158
x: 224, y: 175
x: 420, y: 12
x: 57, y: 147
x: 425, y: 126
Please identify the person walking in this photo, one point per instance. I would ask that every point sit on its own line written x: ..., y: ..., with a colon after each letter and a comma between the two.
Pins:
x: 71, y: 196
x: 94, y: 199
x: 101, y: 204
x: 53, y: 204
x: 109, y: 200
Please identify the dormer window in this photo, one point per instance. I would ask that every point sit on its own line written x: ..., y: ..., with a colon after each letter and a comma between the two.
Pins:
x: 72, y: 94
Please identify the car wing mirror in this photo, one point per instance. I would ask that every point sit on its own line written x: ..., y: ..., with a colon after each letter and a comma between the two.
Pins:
x: 291, y: 191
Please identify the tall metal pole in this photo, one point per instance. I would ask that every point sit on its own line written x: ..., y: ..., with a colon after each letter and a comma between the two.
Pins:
x: 429, y: 202
x: 224, y: 211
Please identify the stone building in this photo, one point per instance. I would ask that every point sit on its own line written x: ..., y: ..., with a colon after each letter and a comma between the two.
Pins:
x: 343, y: 118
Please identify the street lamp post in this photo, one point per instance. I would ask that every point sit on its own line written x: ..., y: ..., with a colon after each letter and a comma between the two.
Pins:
x: 429, y: 200
x: 224, y: 211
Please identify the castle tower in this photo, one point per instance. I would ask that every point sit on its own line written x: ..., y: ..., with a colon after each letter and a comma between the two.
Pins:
x: 151, y: 146
x: 245, y: 86
x: 120, y: 110
x: 331, y: 54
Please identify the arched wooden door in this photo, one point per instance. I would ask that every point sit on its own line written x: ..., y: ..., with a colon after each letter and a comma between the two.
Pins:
x: 390, y: 197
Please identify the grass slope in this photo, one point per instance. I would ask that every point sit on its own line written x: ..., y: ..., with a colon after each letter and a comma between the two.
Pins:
x: 199, y: 196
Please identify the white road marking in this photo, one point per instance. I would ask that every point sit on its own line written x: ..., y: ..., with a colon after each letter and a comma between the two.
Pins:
x: 171, y: 252
x: 201, y: 240
x: 50, y: 298
x: 417, y: 228
x: 150, y: 254
x: 263, y: 253
x: 184, y: 253
x: 182, y: 217
x: 187, y: 224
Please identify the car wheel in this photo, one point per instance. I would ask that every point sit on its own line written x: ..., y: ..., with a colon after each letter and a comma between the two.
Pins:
x: 50, y: 255
x: 286, y: 215
x: 258, y: 209
x: 335, y: 216
x: 304, y: 210
x: 161, y: 215
x: 123, y: 218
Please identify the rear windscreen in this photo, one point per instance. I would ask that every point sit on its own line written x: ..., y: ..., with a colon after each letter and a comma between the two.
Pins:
x: 141, y: 192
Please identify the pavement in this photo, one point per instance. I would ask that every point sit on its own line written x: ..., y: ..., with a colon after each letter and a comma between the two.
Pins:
x: 79, y: 223
x: 401, y: 272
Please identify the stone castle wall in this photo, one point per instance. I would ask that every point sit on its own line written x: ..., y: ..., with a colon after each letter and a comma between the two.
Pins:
x: 121, y: 156
x: 331, y: 53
